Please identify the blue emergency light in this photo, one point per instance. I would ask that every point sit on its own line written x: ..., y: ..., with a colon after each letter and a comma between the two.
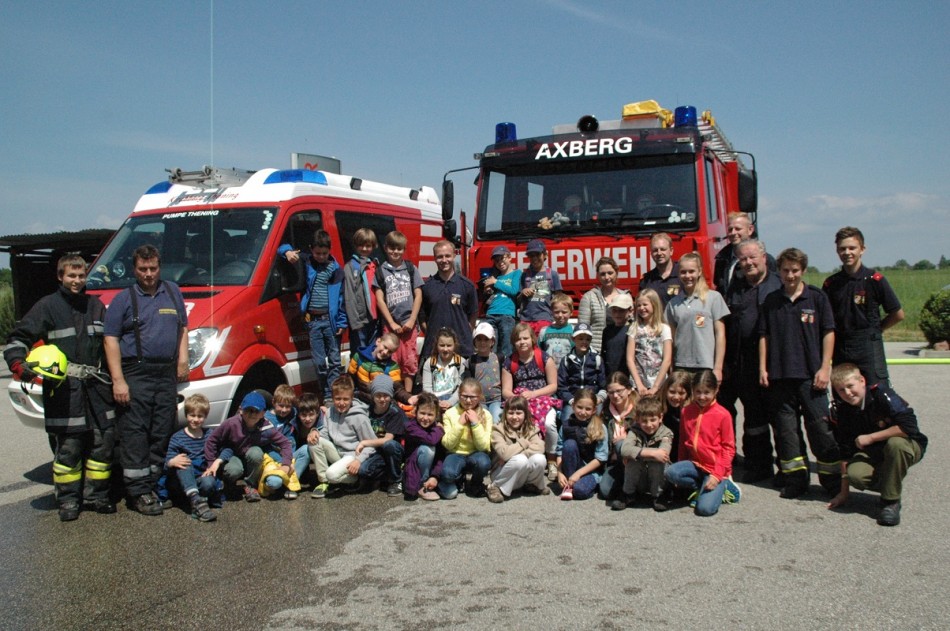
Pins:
x: 161, y: 187
x: 505, y: 132
x: 684, y: 116
x: 296, y: 175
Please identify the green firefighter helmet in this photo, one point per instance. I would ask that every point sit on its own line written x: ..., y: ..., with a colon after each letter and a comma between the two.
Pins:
x: 49, y: 362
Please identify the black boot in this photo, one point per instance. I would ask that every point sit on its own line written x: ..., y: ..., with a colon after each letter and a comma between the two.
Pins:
x: 69, y: 511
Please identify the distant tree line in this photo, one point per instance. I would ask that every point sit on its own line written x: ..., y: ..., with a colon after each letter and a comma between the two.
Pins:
x: 922, y: 264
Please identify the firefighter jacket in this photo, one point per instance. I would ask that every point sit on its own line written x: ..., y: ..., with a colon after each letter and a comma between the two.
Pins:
x: 74, y: 323
x: 882, y: 408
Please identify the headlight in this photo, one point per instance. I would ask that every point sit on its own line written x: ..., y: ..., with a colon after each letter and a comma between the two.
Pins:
x: 200, y: 344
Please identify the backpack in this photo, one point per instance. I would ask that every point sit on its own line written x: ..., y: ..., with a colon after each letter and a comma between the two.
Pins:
x: 410, y: 268
x: 538, y: 359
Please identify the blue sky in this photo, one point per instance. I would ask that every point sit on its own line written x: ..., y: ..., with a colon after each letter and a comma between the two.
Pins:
x: 841, y: 103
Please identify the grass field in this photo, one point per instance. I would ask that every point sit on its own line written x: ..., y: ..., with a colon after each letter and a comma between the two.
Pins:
x: 913, y: 288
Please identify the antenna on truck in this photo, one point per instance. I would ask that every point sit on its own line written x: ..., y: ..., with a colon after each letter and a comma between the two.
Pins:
x: 209, y: 177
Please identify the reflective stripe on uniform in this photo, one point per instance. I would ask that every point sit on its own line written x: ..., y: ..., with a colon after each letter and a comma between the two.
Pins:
x: 96, y: 470
x: 829, y: 468
x: 795, y: 464
x: 135, y: 474
x: 59, y: 334
x: 94, y: 329
x: 63, y: 474
x: 72, y: 421
x: 15, y: 344
x: 110, y: 414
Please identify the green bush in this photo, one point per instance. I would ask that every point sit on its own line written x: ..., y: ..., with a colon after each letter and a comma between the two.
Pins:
x: 935, y: 317
x: 6, y: 312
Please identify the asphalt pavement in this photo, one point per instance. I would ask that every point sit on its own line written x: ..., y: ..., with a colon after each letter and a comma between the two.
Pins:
x: 372, y: 562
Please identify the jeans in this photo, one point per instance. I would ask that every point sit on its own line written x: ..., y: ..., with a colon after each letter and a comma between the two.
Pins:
x: 495, y: 409
x: 190, y: 482
x: 325, y: 352
x: 685, y: 475
x: 425, y: 456
x: 301, y: 460
x: 504, y: 325
x: 361, y: 338
x: 387, y: 460
x: 586, y: 487
x: 454, y: 469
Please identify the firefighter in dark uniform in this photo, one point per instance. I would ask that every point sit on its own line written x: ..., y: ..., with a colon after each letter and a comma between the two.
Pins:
x: 79, y: 412
x: 879, y: 439
x: 146, y: 343
x: 664, y: 278
x: 746, y: 294
x: 857, y: 295
x: 796, y: 339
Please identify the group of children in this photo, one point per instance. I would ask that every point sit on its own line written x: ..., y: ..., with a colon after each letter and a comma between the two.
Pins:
x: 536, y: 404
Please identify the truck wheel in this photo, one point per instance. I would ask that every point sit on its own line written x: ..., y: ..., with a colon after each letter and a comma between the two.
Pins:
x: 264, y: 378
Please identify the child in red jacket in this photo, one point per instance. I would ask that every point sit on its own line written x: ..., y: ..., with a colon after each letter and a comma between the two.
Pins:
x: 707, y: 445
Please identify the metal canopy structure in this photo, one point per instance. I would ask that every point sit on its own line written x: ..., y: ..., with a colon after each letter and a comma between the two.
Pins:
x: 33, y: 260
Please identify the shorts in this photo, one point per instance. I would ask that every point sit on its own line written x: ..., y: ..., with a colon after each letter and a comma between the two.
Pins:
x: 407, y: 355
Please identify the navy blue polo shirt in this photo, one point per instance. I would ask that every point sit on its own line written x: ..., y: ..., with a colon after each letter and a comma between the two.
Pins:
x: 857, y: 299
x: 668, y: 288
x: 160, y: 316
x: 794, y: 330
x: 451, y: 303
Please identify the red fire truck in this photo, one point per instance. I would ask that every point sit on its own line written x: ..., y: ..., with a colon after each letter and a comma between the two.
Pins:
x: 602, y: 189
x: 218, y: 231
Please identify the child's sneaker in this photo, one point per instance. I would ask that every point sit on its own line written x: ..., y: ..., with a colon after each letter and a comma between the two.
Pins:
x: 394, y: 489
x: 290, y: 495
x: 495, y: 496
x: 567, y: 494
x: 251, y: 494
x: 552, y: 471
x: 200, y: 509
x: 663, y: 502
x: 733, y: 493
x: 319, y: 491
x: 692, y: 499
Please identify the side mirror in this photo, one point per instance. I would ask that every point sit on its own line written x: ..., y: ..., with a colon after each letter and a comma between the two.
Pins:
x: 450, y: 230
x: 285, y: 278
x: 448, y: 199
x: 748, y: 192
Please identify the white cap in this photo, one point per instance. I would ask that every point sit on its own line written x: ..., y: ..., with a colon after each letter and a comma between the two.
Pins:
x: 485, y: 329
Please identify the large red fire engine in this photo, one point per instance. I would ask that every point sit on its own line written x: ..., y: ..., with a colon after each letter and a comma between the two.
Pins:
x: 602, y: 189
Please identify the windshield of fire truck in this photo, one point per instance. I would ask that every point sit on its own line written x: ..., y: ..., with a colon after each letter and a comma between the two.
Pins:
x: 198, y: 248
x: 560, y: 199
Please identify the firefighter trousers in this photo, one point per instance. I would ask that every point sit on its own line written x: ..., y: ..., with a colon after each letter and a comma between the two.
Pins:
x: 756, y: 429
x: 786, y: 398
x: 146, y: 423
x: 92, y: 448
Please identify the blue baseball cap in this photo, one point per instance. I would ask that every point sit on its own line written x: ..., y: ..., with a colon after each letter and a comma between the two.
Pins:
x: 253, y: 400
x: 535, y: 246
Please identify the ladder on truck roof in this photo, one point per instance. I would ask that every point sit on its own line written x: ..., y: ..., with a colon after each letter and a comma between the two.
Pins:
x: 210, y: 177
x: 716, y: 140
